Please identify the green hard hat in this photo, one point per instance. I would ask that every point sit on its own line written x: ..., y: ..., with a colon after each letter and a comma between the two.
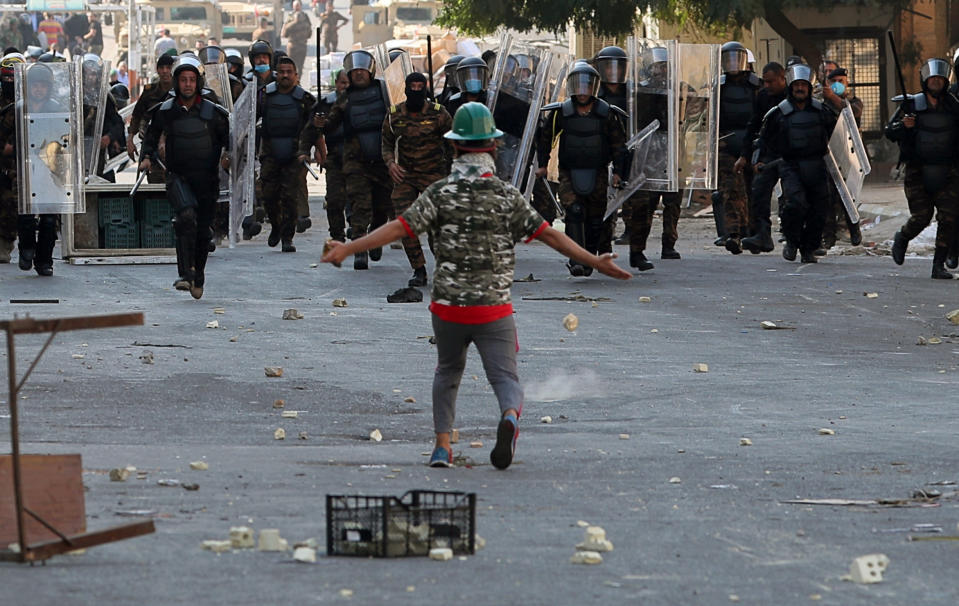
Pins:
x: 473, y: 122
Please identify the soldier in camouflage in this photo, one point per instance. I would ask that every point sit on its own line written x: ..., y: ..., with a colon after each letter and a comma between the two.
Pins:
x: 153, y: 94
x: 329, y: 155
x: 416, y: 154
x: 475, y: 220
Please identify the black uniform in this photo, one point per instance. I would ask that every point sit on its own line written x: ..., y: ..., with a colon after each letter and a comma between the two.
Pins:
x: 195, y: 138
x: 763, y: 182
x: 800, y: 136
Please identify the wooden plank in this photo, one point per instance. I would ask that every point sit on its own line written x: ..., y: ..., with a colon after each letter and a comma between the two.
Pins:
x: 34, y: 326
x: 52, y: 488
x: 43, y: 551
x: 125, y: 256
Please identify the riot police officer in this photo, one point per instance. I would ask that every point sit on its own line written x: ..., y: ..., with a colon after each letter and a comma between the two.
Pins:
x: 261, y: 57
x: 329, y: 155
x: 472, y: 78
x: 612, y: 66
x: 111, y: 136
x: 197, y: 135
x: 285, y: 108
x: 234, y: 66
x: 590, y: 134
x: 361, y: 111
x: 153, y: 94
x: 737, y: 94
x: 8, y: 157
x: 451, y: 85
x: 797, y: 131
x: 926, y: 126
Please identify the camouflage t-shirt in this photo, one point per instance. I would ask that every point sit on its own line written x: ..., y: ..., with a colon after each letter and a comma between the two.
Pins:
x: 475, y: 220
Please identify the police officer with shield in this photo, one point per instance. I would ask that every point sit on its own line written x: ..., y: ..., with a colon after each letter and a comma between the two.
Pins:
x: 110, y: 138
x: 737, y: 94
x: 612, y: 65
x: 197, y: 143
x: 451, y: 85
x: 798, y: 130
x: 590, y: 135
x: 926, y: 127
x: 472, y: 79
x: 361, y: 112
x: 8, y: 156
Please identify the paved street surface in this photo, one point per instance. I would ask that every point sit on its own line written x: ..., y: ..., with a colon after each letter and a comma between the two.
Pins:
x: 847, y: 362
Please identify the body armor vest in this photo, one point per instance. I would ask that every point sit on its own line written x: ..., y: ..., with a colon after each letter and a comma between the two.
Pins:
x: 366, y: 109
x: 334, y: 139
x: 281, y: 121
x: 618, y: 98
x: 936, y: 136
x: 583, y: 149
x: 190, y: 146
x: 735, y: 111
x: 804, y: 132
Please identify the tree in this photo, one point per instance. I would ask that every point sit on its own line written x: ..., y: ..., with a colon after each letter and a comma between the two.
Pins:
x: 620, y: 17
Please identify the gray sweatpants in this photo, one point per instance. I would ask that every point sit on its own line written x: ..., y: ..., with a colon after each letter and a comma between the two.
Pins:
x: 496, y: 342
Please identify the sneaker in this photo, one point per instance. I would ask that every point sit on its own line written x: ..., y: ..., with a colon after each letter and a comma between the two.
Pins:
x: 441, y: 457
x: 506, y: 433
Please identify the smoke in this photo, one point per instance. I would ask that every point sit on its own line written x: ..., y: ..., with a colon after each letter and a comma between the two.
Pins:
x: 561, y: 386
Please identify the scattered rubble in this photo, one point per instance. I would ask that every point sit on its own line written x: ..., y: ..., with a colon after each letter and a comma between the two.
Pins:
x: 700, y: 367
x: 199, y: 465
x: 586, y: 557
x: 306, y: 555
x: 273, y: 371
x: 241, y: 537
x: 279, y: 434
x: 825, y: 431
x: 270, y: 540
x: 547, y: 419
x: 745, y: 442
x: 213, y: 324
x: 594, y: 539
x: 570, y: 322
x: 289, y: 414
x: 441, y: 554
x: 292, y: 314
x: 339, y: 303
x: 279, y: 403
x: 645, y: 300
x: 867, y: 568
x: 147, y: 357
x: 476, y: 444
x: 376, y: 435
x: 409, y: 400
x: 675, y: 480
x: 953, y: 316
x: 121, y: 474
x: 216, y: 546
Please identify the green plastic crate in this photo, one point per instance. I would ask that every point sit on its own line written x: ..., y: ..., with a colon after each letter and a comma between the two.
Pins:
x: 116, y: 211
x: 155, y: 211
x: 121, y: 235
x: 157, y: 236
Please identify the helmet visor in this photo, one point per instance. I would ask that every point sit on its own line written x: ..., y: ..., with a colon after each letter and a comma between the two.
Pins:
x: 612, y: 69
x: 934, y: 67
x: 798, y: 71
x: 211, y: 54
x: 582, y: 84
x: 735, y: 61
x: 473, y: 79
x: 358, y: 60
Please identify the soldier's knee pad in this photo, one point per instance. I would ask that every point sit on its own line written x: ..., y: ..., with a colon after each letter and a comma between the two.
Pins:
x: 576, y: 211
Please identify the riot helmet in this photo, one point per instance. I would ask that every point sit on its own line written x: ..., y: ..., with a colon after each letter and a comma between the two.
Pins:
x: 932, y: 68
x: 656, y: 59
x: 32, y: 53
x: 211, y: 54
x: 92, y: 68
x: 260, y: 47
x: 6, y: 72
x: 234, y: 61
x: 188, y: 63
x: 121, y: 95
x: 734, y: 58
x: 611, y: 65
x: 359, y: 59
x: 39, y: 79
x: 798, y: 71
x: 449, y: 69
x: 51, y: 57
x: 394, y: 53
x: 472, y: 75
x: 583, y: 79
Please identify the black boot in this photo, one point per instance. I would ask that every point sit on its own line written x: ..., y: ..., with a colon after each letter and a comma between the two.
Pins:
x: 760, y: 242
x: 808, y: 256
x: 952, y: 259
x: 184, y: 224
x: 899, y: 245
x: 938, y: 260
x: 376, y: 253
x: 275, y: 237
x: 855, y: 234
x: 199, y: 269
x: 361, y: 261
x: 638, y: 260
x: 27, y: 240
x: 46, y: 240
x: 303, y: 224
x: 288, y: 245
x: 733, y: 244
x: 418, y: 278
x: 575, y: 269
x: 789, y: 251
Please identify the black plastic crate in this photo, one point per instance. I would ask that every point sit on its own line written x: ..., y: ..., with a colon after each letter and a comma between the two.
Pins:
x: 157, y: 236
x: 121, y: 235
x: 410, y: 525
x: 155, y: 211
x: 116, y: 211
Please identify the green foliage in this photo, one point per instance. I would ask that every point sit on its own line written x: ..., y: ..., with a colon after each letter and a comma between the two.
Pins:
x: 613, y: 17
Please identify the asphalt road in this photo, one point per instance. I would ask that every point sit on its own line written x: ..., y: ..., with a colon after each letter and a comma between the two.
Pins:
x: 847, y: 362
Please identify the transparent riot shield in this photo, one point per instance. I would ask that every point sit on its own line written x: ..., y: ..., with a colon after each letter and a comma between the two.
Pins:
x: 49, y: 138
x: 516, y: 94
x: 393, y: 74
x: 218, y: 80
x: 638, y: 146
x: 698, y: 76
x: 656, y: 98
x: 94, y: 85
x: 847, y: 162
x: 242, y: 168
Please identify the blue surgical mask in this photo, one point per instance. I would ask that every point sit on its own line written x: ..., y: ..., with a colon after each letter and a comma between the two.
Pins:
x: 838, y: 87
x: 262, y: 68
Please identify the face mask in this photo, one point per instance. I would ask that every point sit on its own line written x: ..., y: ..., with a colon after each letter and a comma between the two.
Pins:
x: 260, y: 69
x: 415, y: 98
x: 838, y: 88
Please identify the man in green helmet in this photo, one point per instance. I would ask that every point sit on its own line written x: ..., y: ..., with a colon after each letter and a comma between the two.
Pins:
x: 475, y: 219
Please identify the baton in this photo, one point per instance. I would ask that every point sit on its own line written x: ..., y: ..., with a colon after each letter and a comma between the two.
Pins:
x: 310, y: 169
x: 136, y: 186
x: 560, y: 211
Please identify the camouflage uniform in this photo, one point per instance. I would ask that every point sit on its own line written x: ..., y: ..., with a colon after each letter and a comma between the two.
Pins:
x: 837, y: 212
x: 281, y: 178
x: 335, y: 201
x: 641, y: 221
x: 416, y: 143
x: 475, y: 220
x: 733, y: 189
x: 153, y: 94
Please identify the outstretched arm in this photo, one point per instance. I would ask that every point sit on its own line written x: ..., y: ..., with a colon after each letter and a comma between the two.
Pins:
x: 564, y: 245
x: 381, y: 236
